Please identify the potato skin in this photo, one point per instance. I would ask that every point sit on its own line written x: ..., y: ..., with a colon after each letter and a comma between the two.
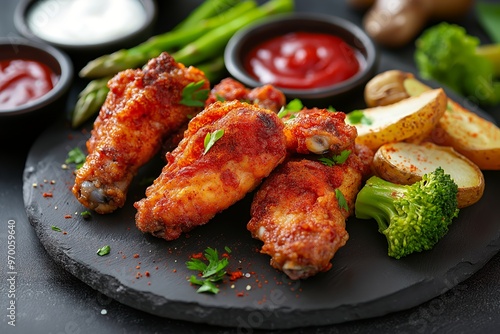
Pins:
x: 410, y: 119
x: 469, y: 134
x: 406, y: 163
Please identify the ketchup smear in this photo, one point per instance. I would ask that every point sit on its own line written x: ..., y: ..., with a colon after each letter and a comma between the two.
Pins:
x: 23, y: 80
x: 302, y: 60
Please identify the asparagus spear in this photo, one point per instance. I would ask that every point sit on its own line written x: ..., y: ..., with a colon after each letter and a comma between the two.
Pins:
x: 138, y: 55
x: 207, y: 9
x: 214, y: 41
x: 90, y: 100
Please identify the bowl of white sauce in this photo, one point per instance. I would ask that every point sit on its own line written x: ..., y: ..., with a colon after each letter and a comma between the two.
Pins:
x: 86, y: 27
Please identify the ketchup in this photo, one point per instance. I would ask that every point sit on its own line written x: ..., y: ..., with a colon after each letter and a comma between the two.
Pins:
x: 302, y: 60
x: 23, y: 80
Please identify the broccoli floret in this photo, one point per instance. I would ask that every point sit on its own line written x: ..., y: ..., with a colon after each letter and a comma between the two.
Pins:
x: 413, y: 217
x: 447, y: 54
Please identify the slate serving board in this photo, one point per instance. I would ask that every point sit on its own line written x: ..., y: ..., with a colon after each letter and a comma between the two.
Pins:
x: 150, y: 274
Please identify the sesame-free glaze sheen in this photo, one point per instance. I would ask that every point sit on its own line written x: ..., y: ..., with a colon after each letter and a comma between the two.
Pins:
x: 302, y: 60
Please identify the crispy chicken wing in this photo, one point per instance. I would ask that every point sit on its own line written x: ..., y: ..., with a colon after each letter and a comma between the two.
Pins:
x: 194, y: 186
x: 229, y: 89
x: 318, y: 131
x: 141, y: 109
x: 297, y: 212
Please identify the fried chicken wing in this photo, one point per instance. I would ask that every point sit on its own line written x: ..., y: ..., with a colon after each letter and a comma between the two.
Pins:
x: 194, y: 186
x: 318, y: 131
x: 228, y: 89
x: 141, y: 109
x: 297, y: 212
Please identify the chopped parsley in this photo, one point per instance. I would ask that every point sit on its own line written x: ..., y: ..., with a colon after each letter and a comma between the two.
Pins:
x: 86, y: 214
x: 211, y: 138
x: 193, y: 95
x: 358, y: 117
x: 293, y: 107
x: 335, y: 159
x: 104, y: 250
x: 76, y: 156
x: 341, y: 199
x: 55, y: 228
x: 211, y: 272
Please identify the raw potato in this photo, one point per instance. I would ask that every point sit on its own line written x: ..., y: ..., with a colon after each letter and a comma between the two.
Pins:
x: 406, y: 163
x: 469, y: 134
x: 411, y: 118
x: 394, y: 23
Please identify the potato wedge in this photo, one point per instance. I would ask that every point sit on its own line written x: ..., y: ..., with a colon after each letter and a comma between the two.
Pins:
x: 469, y: 134
x: 406, y: 163
x: 411, y: 118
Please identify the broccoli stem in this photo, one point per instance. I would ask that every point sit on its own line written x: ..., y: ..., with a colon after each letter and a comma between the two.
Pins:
x: 375, y: 200
x: 492, y: 53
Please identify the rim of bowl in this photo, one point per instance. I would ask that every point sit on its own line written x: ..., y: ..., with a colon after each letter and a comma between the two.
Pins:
x: 234, y: 48
x: 21, y: 25
x: 65, y: 76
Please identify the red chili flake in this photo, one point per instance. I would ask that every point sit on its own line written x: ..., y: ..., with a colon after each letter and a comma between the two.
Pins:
x: 225, y: 255
x: 233, y: 276
x: 174, y: 270
x: 47, y: 195
x: 137, y: 267
x: 240, y: 294
x: 136, y: 256
x: 197, y: 255
x: 68, y: 216
x: 147, y: 274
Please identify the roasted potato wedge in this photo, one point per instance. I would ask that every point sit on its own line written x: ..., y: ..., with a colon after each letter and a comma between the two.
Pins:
x: 471, y: 135
x: 411, y: 118
x: 406, y: 163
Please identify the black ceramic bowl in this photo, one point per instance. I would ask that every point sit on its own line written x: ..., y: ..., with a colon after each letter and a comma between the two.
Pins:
x: 30, y: 117
x: 335, y: 94
x: 81, y: 53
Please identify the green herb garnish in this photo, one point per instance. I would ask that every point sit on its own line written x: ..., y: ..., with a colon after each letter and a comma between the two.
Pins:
x: 341, y: 200
x: 104, y: 250
x: 55, y: 228
x: 193, y: 95
x: 211, y: 273
x: 75, y: 156
x: 358, y: 117
x: 86, y: 214
x: 336, y: 159
x: 211, y: 138
x: 293, y: 107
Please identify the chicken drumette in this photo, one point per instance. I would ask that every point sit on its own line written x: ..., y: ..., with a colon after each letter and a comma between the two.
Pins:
x: 300, y: 210
x: 141, y: 109
x: 196, y: 184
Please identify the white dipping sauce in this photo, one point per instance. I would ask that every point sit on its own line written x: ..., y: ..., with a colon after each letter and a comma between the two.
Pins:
x: 79, y: 22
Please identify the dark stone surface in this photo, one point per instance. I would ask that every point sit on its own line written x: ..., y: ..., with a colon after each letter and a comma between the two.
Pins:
x: 50, y: 299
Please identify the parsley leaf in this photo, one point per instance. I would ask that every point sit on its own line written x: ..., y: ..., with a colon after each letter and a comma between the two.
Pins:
x: 293, y: 107
x: 193, y: 95
x: 55, y: 228
x: 75, y: 156
x: 211, y: 272
x: 341, y: 199
x: 336, y: 159
x: 104, y: 250
x: 211, y: 138
x: 358, y: 117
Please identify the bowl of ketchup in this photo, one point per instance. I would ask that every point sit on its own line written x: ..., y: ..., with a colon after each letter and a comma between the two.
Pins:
x: 35, y: 79
x: 320, y: 59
